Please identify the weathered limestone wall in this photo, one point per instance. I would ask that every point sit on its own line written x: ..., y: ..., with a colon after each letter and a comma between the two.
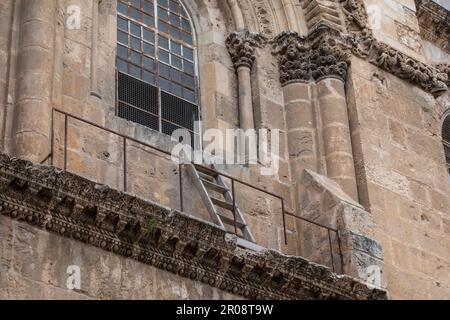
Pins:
x: 34, y: 265
x: 397, y: 26
x: 396, y: 131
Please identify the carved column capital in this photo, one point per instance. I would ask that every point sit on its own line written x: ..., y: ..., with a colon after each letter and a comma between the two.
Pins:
x: 330, y: 56
x: 293, y: 57
x: 321, y: 54
x: 241, y: 46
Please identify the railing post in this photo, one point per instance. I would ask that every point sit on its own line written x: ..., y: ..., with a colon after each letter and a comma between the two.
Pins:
x: 284, y: 222
x: 331, y: 250
x: 340, y: 250
x: 66, y: 129
x: 180, y: 172
x: 52, y: 138
x: 234, y: 205
x: 125, y: 172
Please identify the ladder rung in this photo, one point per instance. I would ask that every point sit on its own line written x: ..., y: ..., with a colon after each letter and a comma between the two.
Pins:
x: 205, y: 170
x: 222, y: 204
x: 230, y: 222
x: 213, y: 186
x: 206, y: 177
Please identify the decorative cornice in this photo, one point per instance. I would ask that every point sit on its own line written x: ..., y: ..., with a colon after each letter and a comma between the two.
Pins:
x: 363, y: 44
x: 241, y: 46
x: 434, y: 22
x: 445, y: 68
x: 322, y: 12
x: 322, y: 54
x: 76, y: 208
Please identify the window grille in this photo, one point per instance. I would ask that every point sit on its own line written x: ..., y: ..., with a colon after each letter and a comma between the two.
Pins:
x: 156, y: 69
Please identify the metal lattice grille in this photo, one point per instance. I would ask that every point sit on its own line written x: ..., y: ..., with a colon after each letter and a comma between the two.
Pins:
x: 178, y: 111
x: 137, y: 101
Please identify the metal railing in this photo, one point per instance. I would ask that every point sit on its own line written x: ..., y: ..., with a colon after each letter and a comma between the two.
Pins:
x: 234, y: 181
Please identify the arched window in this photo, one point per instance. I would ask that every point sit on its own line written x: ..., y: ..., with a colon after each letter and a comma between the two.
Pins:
x: 156, y: 65
x: 446, y: 141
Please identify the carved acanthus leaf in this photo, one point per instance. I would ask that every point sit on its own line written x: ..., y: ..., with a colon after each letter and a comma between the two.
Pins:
x: 241, y: 46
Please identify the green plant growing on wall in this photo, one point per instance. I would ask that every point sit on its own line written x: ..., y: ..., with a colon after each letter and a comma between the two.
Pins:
x: 151, y: 225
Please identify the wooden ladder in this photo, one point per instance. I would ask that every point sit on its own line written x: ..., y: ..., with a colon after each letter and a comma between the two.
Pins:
x: 207, y: 181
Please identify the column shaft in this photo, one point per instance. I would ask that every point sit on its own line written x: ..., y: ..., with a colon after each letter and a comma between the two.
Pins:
x: 32, y: 114
x: 336, y: 134
x: 246, y: 116
x: 301, y: 126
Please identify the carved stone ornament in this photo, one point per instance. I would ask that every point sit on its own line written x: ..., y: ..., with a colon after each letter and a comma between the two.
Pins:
x: 79, y: 209
x: 363, y: 44
x: 434, y: 23
x: 241, y: 46
x: 323, y: 54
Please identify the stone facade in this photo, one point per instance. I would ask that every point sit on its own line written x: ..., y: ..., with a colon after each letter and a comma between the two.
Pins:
x: 358, y: 90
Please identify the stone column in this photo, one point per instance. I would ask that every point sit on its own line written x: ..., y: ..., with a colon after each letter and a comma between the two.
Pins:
x: 241, y: 46
x: 32, y: 114
x: 329, y: 65
x: 293, y: 59
x: 336, y: 134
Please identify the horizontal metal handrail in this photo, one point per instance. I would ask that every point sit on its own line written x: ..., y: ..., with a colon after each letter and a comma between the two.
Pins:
x: 234, y: 180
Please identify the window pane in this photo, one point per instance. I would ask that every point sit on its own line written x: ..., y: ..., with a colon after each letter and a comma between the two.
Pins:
x: 186, y: 26
x: 188, y: 53
x: 147, y: 6
x: 148, y: 20
x: 176, y: 75
x: 135, y: 71
x: 163, y: 3
x: 164, y: 56
x: 187, y: 38
x: 135, y: 14
x: 175, y: 48
x: 163, y: 27
x: 136, y: 3
x: 135, y: 30
x: 176, y: 62
x: 174, y: 6
x: 135, y: 57
x: 163, y: 14
x: 163, y: 42
x: 148, y: 77
x: 189, y: 67
x: 164, y: 70
x: 122, y: 52
x: 122, y: 8
x: 122, y: 66
x: 164, y: 84
x: 135, y: 44
x: 148, y: 63
x: 175, y: 20
x: 149, y: 36
x: 122, y: 24
x: 122, y: 37
x: 177, y: 90
x: 149, y: 49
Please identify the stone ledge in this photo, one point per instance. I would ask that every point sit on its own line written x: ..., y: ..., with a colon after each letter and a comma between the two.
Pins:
x: 76, y: 208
